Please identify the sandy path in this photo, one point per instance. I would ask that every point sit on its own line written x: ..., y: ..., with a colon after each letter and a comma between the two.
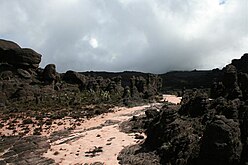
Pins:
x: 107, y: 139
x: 99, y: 139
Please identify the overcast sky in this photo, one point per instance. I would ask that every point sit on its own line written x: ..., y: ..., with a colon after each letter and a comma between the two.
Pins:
x: 116, y: 35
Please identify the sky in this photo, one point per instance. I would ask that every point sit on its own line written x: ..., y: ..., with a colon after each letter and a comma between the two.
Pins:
x: 137, y: 35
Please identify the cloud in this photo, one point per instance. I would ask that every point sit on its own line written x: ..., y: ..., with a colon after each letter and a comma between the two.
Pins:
x: 116, y: 35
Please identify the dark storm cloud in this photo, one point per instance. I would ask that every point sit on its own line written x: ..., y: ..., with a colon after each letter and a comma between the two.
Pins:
x: 115, y: 35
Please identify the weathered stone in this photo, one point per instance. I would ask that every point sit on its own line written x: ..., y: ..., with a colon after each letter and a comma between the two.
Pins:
x: 49, y: 72
x: 221, y: 143
x: 74, y: 78
x: 24, y: 73
x: 5, y: 45
x: 24, y: 58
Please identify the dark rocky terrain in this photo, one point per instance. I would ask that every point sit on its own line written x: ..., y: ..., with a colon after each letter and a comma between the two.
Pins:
x: 208, y: 127
x: 32, y: 96
x: 24, y: 86
x: 200, y: 130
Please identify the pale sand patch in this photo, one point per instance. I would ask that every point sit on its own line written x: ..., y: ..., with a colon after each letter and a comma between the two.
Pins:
x: 172, y: 99
x: 84, y: 139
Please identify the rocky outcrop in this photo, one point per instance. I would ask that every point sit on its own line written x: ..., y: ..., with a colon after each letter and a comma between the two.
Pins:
x: 241, y: 64
x: 22, y: 81
x: 73, y: 77
x: 5, y: 45
x: 204, y: 130
x: 230, y: 82
x: 173, y: 138
x: 49, y: 73
x: 221, y: 143
x: 21, y: 58
x: 196, y: 106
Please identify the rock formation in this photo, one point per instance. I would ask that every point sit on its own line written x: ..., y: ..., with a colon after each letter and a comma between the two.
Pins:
x: 203, y: 130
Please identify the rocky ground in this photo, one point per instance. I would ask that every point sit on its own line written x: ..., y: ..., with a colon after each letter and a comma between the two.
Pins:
x: 202, y: 130
x: 71, y: 118
x: 97, y: 140
x: 39, y: 107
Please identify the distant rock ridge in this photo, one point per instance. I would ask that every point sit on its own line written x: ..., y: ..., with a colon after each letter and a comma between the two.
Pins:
x: 23, y: 80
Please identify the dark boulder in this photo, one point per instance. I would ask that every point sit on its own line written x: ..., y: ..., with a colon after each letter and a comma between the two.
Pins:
x: 162, y: 129
x: 49, y: 73
x: 195, y: 106
x: 4, y: 45
x: 230, y: 76
x: 230, y: 81
x: 74, y: 78
x: 221, y: 143
x: 174, y: 139
x: 23, y: 58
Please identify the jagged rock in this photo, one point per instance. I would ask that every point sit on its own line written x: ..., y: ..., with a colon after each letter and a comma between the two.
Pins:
x: 49, y: 73
x: 196, y: 106
x: 221, y: 143
x: 173, y: 138
x: 163, y: 129
x: 230, y: 81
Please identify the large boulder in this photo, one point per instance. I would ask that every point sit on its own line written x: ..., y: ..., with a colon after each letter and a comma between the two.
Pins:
x: 221, y: 143
x: 196, y: 106
x: 74, y: 77
x: 21, y: 58
x: 4, y: 45
x: 230, y: 76
x: 230, y: 82
x: 174, y: 139
x: 49, y: 73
